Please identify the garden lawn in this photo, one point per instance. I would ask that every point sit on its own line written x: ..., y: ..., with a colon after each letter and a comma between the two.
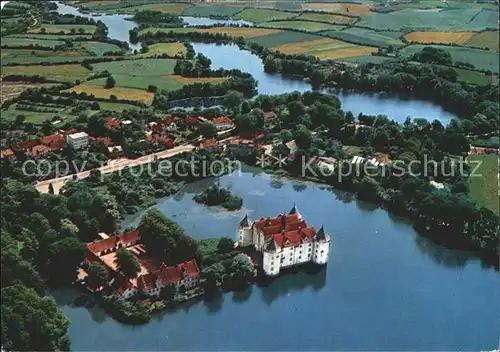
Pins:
x: 484, y: 189
x: 119, y: 92
x: 66, y: 28
x: 302, y: 25
x: 326, y: 17
x: 481, y: 59
x: 61, y: 73
x: 326, y: 49
x: 141, y: 67
x: 263, y: 15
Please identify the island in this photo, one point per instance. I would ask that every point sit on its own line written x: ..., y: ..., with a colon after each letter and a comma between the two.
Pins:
x: 216, y: 195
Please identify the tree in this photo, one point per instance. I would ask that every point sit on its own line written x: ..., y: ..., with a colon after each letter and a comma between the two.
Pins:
x: 97, y: 275
x: 42, y: 30
x: 20, y: 119
x: 51, y: 188
x: 225, y: 245
x: 241, y: 271
x: 127, y: 263
x: 232, y: 101
x: 168, y: 292
x: 303, y: 138
x: 32, y: 323
x: 64, y: 256
x: 208, y: 130
x: 110, y: 82
x: 285, y: 136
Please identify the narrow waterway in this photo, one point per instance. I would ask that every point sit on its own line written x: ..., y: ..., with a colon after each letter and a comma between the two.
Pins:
x: 385, y: 287
x: 204, y: 21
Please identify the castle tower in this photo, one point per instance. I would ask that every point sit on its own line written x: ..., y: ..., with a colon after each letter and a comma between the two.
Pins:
x: 245, y: 232
x: 294, y: 210
x: 321, y: 247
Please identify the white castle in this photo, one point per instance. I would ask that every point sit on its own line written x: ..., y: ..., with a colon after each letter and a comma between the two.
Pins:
x: 284, y: 241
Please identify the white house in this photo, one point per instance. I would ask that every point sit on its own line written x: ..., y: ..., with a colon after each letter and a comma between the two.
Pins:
x: 284, y: 241
x: 79, y: 140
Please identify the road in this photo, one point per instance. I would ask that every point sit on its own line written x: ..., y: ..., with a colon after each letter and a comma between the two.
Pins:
x: 112, y: 166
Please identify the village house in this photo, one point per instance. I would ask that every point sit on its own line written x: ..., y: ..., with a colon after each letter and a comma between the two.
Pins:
x: 54, y: 141
x: 210, y: 144
x: 115, y: 151
x: 184, y: 275
x: 223, y: 123
x: 7, y: 154
x: 270, y: 116
x: 77, y: 141
x: 284, y: 241
x: 112, y: 123
x: 241, y: 147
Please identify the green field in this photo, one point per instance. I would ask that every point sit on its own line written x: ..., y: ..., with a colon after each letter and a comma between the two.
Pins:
x: 171, y: 49
x: 441, y: 20
x: 116, y: 106
x: 302, y: 25
x: 32, y: 116
x: 50, y: 36
x: 283, y: 37
x: 481, y: 59
x: 365, y: 36
x: 368, y: 59
x: 20, y: 42
x: 202, y: 10
x: 97, y: 48
x: 486, y: 39
x: 29, y: 60
x: 263, y: 15
x: 141, y: 67
x: 65, y: 28
x: 326, y: 17
x: 163, y: 7
x: 484, y: 189
x: 61, y: 73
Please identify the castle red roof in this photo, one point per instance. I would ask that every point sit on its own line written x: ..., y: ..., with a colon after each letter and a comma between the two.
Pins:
x: 112, y: 241
x: 286, y: 230
x: 147, y: 281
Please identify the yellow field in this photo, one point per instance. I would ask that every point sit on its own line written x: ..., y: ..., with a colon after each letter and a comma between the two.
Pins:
x: 192, y: 80
x: 325, y: 49
x: 120, y: 93
x: 166, y: 48
x: 63, y: 73
x: 325, y: 17
x: 488, y: 39
x: 347, y: 8
x: 439, y: 37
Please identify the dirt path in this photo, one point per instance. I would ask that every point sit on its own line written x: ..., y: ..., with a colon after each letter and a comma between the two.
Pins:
x: 113, y: 165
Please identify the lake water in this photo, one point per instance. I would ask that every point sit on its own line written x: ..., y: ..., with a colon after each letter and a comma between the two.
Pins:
x: 384, y: 288
x: 396, y: 107
x: 118, y: 25
x: 205, y: 21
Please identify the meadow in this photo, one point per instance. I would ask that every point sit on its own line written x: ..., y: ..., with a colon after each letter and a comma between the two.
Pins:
x: 116, y: 106
x: 35, y: 117
x: 141, y: 67
x: 119, y: 92
x: 368, y: 37
x: 61, y: 73
x: 486, y: 39
x: 302, y: 25
x: 326, y: 17
x: 368, y: 59
x: 26, y: 42
x: 36, y: 60
x: 203, y: 10
x: 326, y: 49
x: 344, y: 8
x: 481, y: 59
x: 165, y: 82
x: 440, y: 20
x: 50, y: 36
x: 65, y: 28
x: 97, y: 48
x: 263, y: 15
x: 171, y: 49
x: 283, y: 37
x: 485, y: 189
